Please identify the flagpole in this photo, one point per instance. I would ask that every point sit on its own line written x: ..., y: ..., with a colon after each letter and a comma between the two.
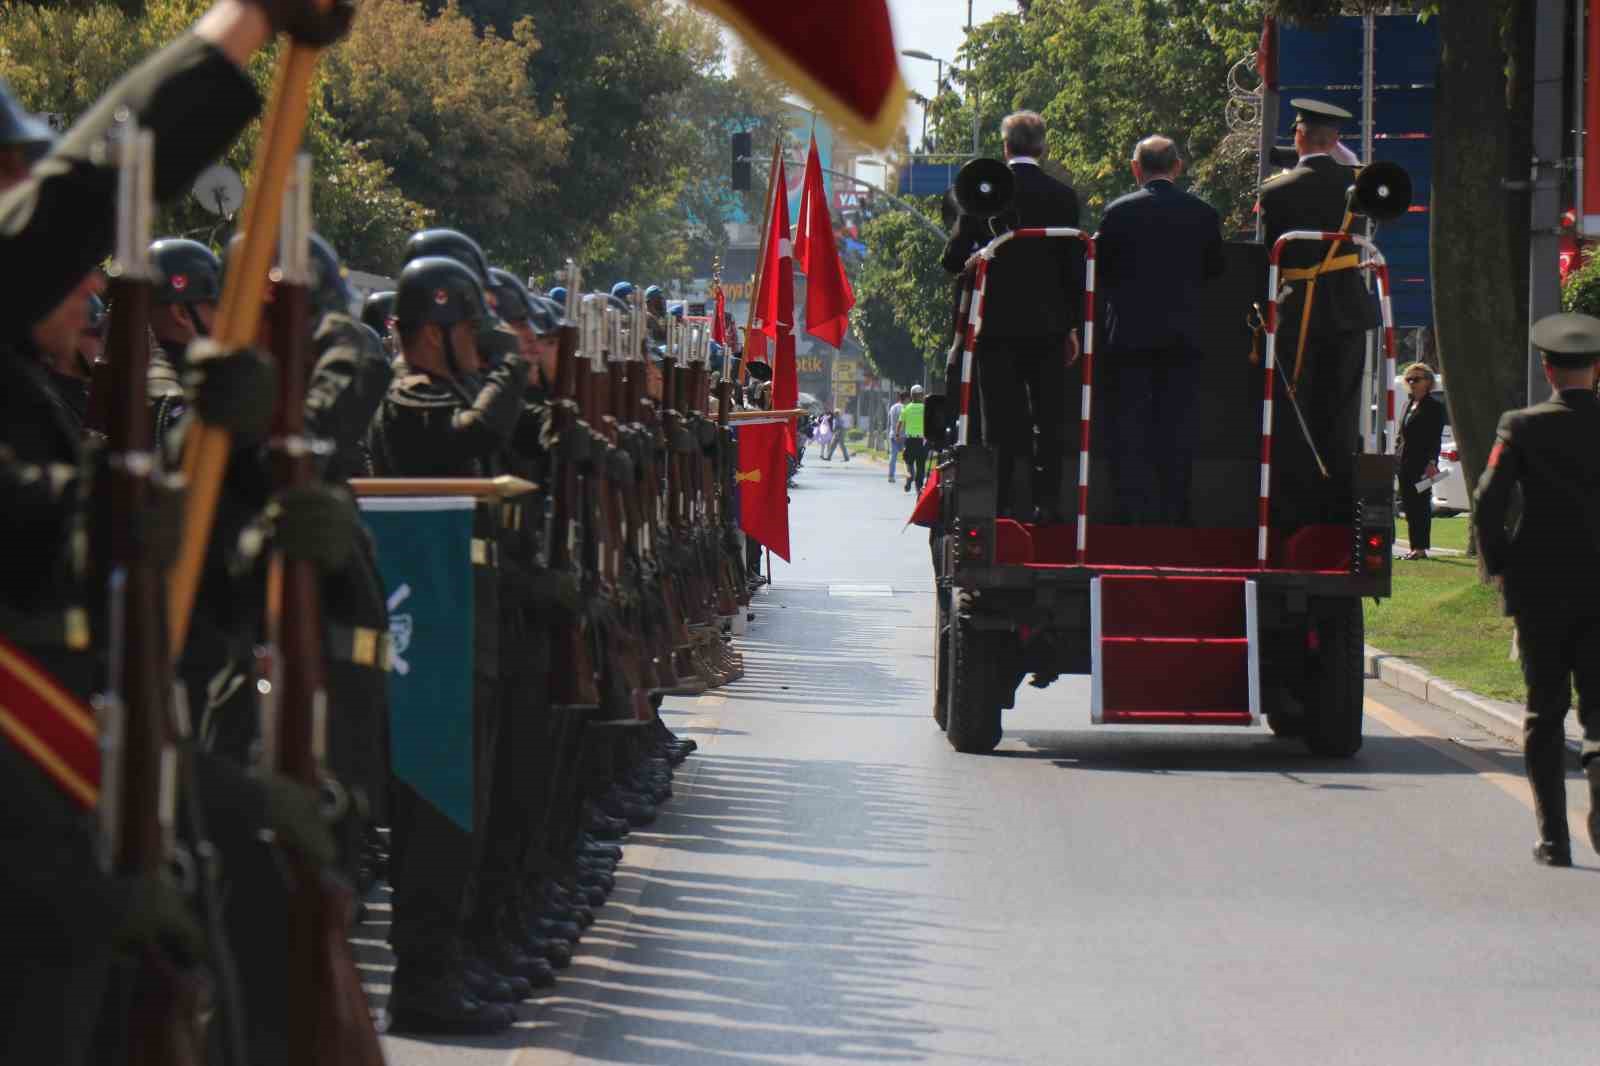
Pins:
x: 761, y: 256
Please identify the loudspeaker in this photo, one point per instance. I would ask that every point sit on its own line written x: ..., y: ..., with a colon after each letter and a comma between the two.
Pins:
x: 984, y: 188
x: 1382, y: 191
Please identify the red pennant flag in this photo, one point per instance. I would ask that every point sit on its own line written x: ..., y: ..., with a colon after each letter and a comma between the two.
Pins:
x: 719, y: 324
x: 763, y: 482
x: 839, y: 54
x: 926, y: 512
x: 828, y: 293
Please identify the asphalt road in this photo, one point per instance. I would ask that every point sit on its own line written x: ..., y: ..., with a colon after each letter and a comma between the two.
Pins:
x: 834, y: 884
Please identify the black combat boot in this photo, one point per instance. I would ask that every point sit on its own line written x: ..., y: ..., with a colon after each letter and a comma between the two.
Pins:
x: 429, y: 1003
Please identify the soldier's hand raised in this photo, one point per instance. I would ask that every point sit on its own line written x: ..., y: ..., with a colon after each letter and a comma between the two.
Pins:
x: 231, y: 389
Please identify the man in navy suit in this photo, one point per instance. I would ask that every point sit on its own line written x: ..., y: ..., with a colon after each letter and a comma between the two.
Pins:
x: 1033, y: 309
x: 1155, y: 252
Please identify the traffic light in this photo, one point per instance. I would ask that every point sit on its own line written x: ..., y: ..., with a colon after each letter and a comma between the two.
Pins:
x: 741, y: 162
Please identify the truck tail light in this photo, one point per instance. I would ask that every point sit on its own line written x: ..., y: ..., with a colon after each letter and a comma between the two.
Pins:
x: 1377, y: 554
x: 1450, y: 455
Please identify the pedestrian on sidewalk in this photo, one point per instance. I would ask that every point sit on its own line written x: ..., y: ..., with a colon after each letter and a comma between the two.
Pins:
x: 1549, y: 567
x: 1421, y: 430
x: 897, y: 435
x: 824, y: 436
x: 836, y: 435
x: 916, y: 445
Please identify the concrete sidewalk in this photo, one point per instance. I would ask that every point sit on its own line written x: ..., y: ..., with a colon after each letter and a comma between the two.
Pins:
x: 1497, y: 716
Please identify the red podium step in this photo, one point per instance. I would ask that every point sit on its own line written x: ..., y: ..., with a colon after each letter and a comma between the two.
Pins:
x: 1174, y: 650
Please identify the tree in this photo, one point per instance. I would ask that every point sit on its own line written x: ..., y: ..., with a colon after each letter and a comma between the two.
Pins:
x: 60, y: 60
x: 451, y: 112
x: 1581, y: 291
x: 1105, y: 75
x: 903, y: 296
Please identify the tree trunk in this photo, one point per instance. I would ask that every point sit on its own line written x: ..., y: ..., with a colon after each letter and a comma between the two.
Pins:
x: 1482, y: 137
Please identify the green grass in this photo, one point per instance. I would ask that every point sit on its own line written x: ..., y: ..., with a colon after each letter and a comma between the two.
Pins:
x: 1447, y: 532
x: 1445, y: 620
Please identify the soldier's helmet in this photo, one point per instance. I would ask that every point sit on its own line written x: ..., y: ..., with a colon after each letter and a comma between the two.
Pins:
x: 545, y: 317
x: 451, y: 244
x: 329, y: 289
x: 559, y: 295
x: 377, y: 310
x: 440, y: 290
x: 511, y: 297
x: 189, y: 272
x: 622, y: 290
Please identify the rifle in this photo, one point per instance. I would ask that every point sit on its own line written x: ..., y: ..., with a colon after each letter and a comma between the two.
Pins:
x: 606, y: 527
x: 679, y: 587
x: 328, y: 1016
x: 564, y: 535
x: 725, y: 597
x: 164, y: 1001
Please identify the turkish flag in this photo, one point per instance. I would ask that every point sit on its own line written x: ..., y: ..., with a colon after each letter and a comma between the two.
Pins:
x: 828, y: 293
x: 1267, y: 53
x: 839, y: 54
x: 928, y: 508
x: 763, y: 483
x: 719, y: 324
x: 774, y: 309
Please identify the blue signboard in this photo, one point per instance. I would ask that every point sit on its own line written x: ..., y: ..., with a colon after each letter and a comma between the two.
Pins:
x: 1326, y: 64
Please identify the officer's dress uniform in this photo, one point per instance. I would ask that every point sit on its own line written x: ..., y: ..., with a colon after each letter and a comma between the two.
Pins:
x: 1312, y: 196
x: 1550, y: 563
x: 57, y: 910
x: 430, y: 426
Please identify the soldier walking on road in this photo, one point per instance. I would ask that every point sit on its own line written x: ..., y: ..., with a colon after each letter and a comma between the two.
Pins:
x: 1549, y: 566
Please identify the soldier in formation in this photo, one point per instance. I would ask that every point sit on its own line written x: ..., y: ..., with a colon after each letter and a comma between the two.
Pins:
x: 597, y: 593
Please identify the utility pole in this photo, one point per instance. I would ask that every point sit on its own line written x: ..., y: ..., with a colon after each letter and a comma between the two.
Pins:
x: 1548, y: 168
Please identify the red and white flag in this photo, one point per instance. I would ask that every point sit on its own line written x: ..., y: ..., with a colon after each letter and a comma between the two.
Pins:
x: 839, y: 54
x: 828, y: 293
x: 763, y: 482
x: 774, y: 310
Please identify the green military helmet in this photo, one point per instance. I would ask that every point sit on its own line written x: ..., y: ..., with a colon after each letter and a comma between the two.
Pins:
x: 545, y: 317
x: 330, y: 291
x: 450, y: 244
x: 512, y: 300
x: 190, y: 273
x: 440, y: 290
x: 377, y: 312
x: 1568, y: 340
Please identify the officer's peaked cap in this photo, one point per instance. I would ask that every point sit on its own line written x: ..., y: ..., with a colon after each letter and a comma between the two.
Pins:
x: 438, y: 289
x: 1568, y: 340
x: 1316, y: 113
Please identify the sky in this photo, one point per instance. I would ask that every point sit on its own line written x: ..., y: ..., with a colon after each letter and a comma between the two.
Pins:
x: 938, y: 28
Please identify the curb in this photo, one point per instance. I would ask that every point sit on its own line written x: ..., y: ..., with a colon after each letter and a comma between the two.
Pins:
x: 1503, y: 720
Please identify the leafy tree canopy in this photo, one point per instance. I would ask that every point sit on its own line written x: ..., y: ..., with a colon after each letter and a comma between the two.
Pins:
x: 902, y: 312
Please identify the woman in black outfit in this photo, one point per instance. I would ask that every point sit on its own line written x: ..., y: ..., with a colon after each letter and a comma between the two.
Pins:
x: 1421, y: 427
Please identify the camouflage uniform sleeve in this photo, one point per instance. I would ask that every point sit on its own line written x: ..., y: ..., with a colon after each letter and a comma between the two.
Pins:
x: 194, y: 100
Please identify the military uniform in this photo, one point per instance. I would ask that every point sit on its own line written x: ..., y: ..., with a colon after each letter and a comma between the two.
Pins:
x: 1550, y: 567
x: 1327, y: 375
x: 435, y: 426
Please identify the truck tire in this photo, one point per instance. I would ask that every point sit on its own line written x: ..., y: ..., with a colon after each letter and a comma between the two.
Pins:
x: 941, y: 657
x: 1334, y: 696
x: 1285, y: 725
x: 973, y: 723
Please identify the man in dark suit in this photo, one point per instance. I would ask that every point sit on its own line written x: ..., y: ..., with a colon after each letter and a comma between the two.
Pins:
x: 1155, y: 252
x: 1417, y: 445
x: 1324, y: 312
x: 1549, y: 566
x: 1033, y: 307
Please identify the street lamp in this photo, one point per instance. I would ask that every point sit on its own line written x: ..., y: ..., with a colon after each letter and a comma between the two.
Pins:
x: 938, y: 84
x: 972, y: 97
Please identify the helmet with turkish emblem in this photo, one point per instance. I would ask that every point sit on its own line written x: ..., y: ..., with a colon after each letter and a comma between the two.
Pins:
x: 439, y: 290
x: 189, y: 272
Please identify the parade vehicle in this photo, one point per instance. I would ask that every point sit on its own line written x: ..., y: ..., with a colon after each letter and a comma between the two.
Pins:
x: 1241, y: 616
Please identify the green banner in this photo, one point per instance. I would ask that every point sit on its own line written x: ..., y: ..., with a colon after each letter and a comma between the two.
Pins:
x: 425, y: 557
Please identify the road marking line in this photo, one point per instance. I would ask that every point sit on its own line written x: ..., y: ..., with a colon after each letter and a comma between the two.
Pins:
x: 1512, y: 785
x: 860, y: 590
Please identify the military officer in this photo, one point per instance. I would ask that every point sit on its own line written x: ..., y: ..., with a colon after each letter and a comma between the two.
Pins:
x: 1324, y: 312
x: 1549, y: 566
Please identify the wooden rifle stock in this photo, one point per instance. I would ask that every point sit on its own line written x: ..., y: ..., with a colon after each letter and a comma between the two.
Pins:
x: 329, y: 1020
x: 574, y: 686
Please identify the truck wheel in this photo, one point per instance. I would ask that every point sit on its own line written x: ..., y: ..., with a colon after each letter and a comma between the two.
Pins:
x: 1286, y: 725
x: 941, y: 657
x: 973, y: 726
x: 1334, y: 693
